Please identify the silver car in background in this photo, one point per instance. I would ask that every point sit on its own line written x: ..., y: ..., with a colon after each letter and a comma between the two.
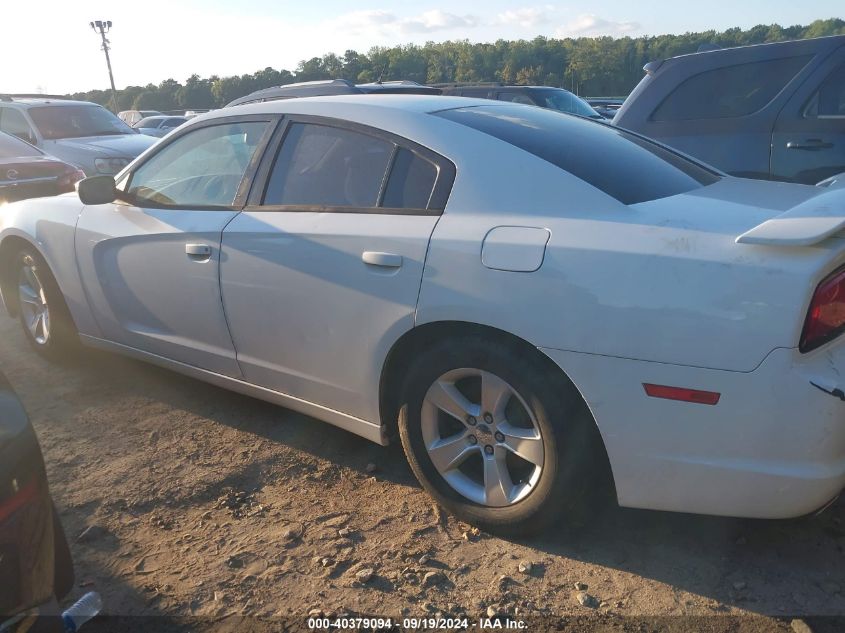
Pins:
x: 158, y: 126
x: 81, y: 133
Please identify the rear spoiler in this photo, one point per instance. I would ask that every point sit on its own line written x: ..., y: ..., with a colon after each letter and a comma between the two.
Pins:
x: 806, y: 224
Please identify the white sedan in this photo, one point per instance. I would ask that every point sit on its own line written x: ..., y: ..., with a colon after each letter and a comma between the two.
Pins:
x: 529, y: 300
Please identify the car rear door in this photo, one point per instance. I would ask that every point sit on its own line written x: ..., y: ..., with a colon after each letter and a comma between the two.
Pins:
x: 808, y: 141
x: 150, y: 262
x: 321, y: 272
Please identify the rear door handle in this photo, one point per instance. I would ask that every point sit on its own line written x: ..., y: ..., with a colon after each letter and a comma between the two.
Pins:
x: 198, y: 250
x: 811, y: 144
x: 386, y: 260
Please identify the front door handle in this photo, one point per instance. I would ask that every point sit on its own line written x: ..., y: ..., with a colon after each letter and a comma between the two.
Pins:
x: 810, y: 144
x: 386, y: 260
x: 200, y: 251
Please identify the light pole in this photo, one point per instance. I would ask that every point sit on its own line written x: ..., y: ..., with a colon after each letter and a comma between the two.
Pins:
x: 102, y: 27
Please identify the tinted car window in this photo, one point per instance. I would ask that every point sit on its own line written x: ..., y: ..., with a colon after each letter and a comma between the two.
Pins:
x: 11, y: 147
x: 411, y: 182
x: 829, y: 100
x: 730, y: 91
x: 174, y: 122
x: 71, y: 121
x: 622, y: 165
x: 327, y: 166
x: 202, y: 168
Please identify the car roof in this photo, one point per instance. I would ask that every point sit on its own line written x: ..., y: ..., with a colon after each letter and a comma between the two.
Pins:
x: 828, y: 42
x: 328, y: 87
x: 33, y: 101
x: 421, y: 104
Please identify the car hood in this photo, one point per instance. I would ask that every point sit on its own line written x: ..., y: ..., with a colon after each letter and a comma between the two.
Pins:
x: 118, y: 146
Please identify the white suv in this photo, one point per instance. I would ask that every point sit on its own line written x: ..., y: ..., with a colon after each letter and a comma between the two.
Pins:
x: 78, y: 132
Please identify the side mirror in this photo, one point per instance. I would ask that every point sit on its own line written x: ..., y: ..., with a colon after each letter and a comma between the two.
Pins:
x: 96, y: 190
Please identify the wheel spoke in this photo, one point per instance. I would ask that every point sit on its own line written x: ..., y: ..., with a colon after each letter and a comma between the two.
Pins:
x: 446, y: 397
x: 447, y: 454
x: 523, y: 442
x: 32, y: 279
x: 45, y: 325
x: 28, y: 295
x: 497, y: 480
x: 495, y: 394
x: 33, y: 323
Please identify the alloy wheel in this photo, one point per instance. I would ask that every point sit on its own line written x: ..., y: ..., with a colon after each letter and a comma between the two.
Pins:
x: 33, y: 302
x: 482, y: 437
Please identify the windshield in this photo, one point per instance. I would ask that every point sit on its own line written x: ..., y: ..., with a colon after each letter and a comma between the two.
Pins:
x: 565, y: 101
x: 151, y: 121
x: 11, y: 147
x: 72, y: 121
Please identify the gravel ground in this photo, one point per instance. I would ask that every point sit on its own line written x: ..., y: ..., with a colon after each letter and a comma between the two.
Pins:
x: 197, y: 506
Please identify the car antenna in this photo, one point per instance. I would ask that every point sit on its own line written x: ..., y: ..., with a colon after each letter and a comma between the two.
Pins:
x: 381, y: 74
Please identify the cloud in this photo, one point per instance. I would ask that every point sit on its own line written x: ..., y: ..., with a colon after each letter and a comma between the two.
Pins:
x: 591, y: 24
x: 526, y: 17
x: 386, y: 23
x: 437, y: 20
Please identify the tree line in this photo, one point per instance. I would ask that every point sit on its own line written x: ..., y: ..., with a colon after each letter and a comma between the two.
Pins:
x: 589, y: 66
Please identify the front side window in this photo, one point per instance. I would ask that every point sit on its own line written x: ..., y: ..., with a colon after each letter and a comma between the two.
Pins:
x: 203, y: 168
x: 76, y: 121
x: 829, y: 99
x: 622, y: 165
x: 730, y: 91
x: 319, y: 165
x: 13, y: 122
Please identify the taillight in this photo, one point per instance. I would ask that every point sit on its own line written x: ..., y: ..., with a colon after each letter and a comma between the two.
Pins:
x: 70, y: 177
x: 826, y: 317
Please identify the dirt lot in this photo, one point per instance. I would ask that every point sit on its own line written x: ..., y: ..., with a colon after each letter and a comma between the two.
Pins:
x: 186, y: 501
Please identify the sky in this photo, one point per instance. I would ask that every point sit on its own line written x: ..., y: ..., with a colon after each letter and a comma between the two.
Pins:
x: 48, y: 46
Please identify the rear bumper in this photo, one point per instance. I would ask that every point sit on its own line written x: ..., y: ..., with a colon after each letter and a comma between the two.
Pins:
x: 773, y: 446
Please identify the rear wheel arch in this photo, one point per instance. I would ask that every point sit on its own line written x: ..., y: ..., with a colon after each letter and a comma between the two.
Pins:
x: 421, y: 337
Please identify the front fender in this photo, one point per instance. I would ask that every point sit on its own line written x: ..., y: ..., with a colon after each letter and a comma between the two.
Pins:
x: 48, y: 225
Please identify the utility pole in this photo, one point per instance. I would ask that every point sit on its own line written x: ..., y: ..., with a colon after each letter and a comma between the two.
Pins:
x: 102, y: 27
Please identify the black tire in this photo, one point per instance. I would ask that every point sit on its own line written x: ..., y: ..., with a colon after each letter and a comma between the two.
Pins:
x: 571, y: 442
x: 63, y: 338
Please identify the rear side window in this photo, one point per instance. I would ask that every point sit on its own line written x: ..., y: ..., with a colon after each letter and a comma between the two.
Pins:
x: 622, y: 165
x: 411, y: 182
x: 320, y: 165
x: 325, y: 166
x: 829, y: 100
x: 730, y: 91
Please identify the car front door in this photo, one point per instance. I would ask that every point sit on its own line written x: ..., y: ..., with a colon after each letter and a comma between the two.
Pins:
x: 150, y: 260
x: 323, y: 269
x: 808, y: 142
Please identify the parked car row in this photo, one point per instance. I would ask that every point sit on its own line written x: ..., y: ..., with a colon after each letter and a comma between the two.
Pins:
x: 79, y: 133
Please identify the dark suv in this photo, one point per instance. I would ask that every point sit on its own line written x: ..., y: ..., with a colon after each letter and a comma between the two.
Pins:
x: 333, y: 87
x: 771, y: 111
x: 543, y: 96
